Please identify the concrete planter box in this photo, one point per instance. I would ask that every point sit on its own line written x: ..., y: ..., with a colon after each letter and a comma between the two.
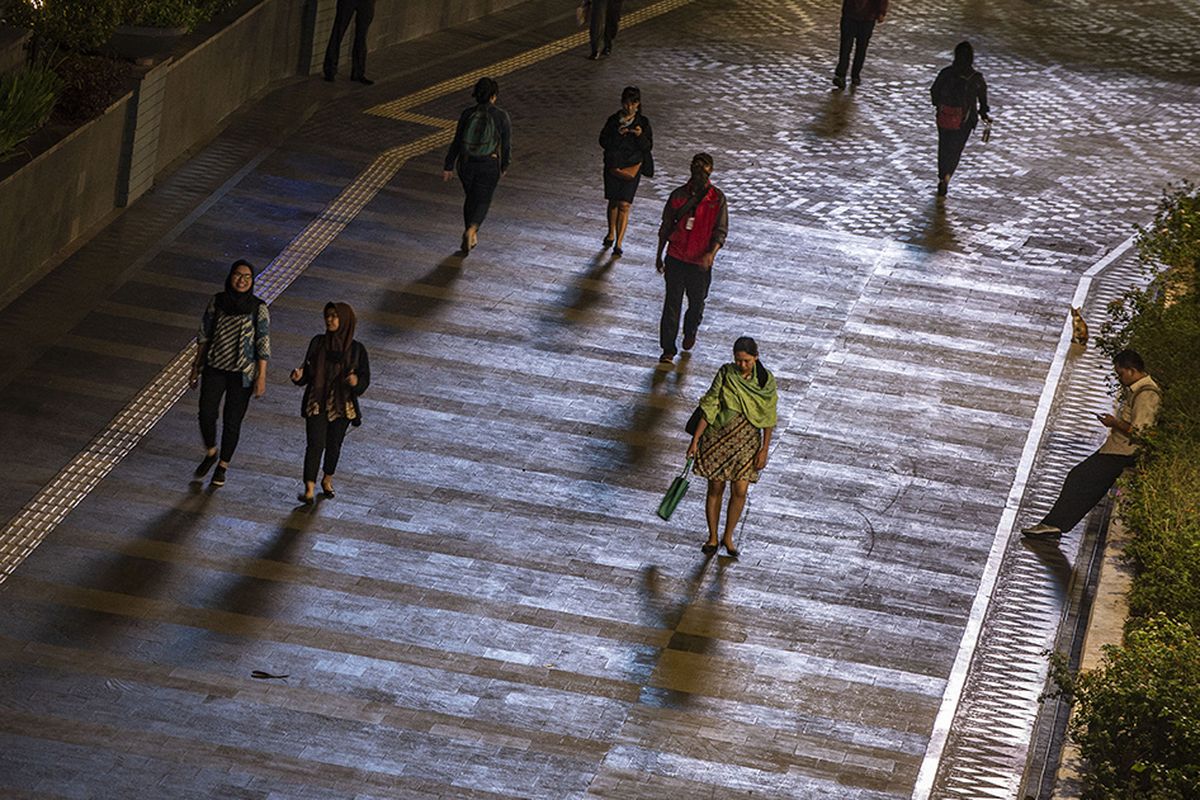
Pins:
x: 134, y: 43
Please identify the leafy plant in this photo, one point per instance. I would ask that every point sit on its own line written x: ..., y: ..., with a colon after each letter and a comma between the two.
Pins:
x: 172, y: 13
x: 26, y: 99
x: 1137, y: 717
x: 71, y: 25
x: 90, y: 85
x: 1172, y: 239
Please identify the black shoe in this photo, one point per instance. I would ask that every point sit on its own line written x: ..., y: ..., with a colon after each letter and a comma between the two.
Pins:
x: 606, y: 51
x: 329, y: 77
x: 666, y: 358
x: 307, y: 499
x: 732, y: 551
x: 839, y: 81
x: 218, y: 478
x: 205, y: 465
x: 594, y: 56
x: 708, y: 549
x: 618, y: 252
x: 855, y: 80
x: 689, y: 341
x: 608, y: 242
x: 328, y: 493
x: 364, y: 80
x: 943, y: 188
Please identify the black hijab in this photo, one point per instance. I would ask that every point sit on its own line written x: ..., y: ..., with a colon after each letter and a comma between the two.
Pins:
x: 236, y: 303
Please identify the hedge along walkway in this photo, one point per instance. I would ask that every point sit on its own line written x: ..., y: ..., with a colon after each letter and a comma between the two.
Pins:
x: 485, y: 609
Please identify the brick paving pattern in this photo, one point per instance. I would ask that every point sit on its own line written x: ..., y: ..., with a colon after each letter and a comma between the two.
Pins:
x: 489, y: 607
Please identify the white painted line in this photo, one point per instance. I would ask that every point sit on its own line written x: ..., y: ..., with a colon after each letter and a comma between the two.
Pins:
x: 991, y: 571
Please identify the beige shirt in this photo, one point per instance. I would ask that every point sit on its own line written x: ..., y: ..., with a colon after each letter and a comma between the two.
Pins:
x: 1138, y: 405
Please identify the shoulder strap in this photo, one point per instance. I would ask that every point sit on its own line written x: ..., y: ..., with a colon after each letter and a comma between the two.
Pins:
x: 687, y: 208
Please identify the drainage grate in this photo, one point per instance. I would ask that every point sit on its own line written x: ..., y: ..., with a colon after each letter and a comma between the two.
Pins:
x: 988, y: 744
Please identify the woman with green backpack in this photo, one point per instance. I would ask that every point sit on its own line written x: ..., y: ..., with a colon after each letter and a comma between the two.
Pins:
x: 481, y: 151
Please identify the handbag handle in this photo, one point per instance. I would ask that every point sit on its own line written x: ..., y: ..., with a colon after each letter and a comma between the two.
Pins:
x: 687, y: 468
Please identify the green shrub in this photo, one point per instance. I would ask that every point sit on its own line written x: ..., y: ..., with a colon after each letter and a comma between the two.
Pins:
x: 1173, y: 238
x: 26, y: 99
x: 172, y: 13
x: 90, y: 85
x: 70, y: 25
x: 1137, y: 717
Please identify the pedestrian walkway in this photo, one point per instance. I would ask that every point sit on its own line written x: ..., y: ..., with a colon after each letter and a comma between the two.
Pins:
x: 489, y: 607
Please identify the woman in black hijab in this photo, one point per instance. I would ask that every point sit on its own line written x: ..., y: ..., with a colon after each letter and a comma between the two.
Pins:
x: 334, y: 373
x: 960, y: 96
x: 231, y: 361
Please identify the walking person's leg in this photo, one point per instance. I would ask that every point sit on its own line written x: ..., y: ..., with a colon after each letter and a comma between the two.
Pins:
x: 237, y: 400
x: 612, y: 21
x: 333, y: 451
x: 696, y: 284
x: 596, y: 27
x: 364, y: 13
x: 341, y: 21
x: 846, y: 33
x: 316, y: 429
x: 737, y: 502
x: 611, y: 236
x: 862, y: 37
x: 622, y: 220
x: 485, y: 178
x: 712, y: 512
x: 668, y: 324
x: 950, y: 148
x: 467, y: 174
x: 212, y: 386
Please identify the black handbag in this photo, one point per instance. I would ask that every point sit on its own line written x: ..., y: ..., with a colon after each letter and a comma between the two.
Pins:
x: 694, y: 421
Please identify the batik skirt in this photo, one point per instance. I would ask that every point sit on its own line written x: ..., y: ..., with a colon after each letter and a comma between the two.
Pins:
x: 727, y: 454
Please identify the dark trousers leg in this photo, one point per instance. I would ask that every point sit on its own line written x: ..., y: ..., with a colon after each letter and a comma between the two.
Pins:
x: 345, y: 10
x: 950, y: 148
x: 862, y: 37
x: 696, y: 285
x: 212, y: 387
x: 479, y: 180
x: 333, y: 444
x: 363, y: 15
x: 596, y: 24
x: 316, y: 432
x: 612, y: 21
x: 668, y: 324
x: 1084, y: 487
x: 237, y: 401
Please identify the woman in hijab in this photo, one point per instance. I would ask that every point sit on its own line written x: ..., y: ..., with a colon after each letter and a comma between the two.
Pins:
x: 733, y: 435
x: 334, y: 373
x: 627, y: 141
x: 960, y: 95
x: 231, y: 361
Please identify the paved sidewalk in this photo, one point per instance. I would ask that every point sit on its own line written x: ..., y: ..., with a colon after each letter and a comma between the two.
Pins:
x: 489, y: 607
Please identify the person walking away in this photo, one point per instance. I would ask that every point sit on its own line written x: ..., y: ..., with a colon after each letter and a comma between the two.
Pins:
x: 335, y: 373
x: 858, y: 23
x: 481, y: 152
x: 695, y: 222
x: 733, y: 437
x: 234, y: 345
x: 363, y: 11
x: 604, y: 17
x: 1137, y: 410
x: 960, y: 95
x: 627, y: 141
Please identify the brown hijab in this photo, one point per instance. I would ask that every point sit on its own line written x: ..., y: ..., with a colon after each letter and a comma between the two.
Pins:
x: 333, y: 362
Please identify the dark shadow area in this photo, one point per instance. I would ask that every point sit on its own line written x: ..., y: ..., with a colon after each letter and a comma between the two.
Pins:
x: 935, y: 231
x: 255, y: 593
x: 584, y: 293
x: 644, y: 419
x: 424, y: 296
x: 834, y: 115
x: 1054, y: 562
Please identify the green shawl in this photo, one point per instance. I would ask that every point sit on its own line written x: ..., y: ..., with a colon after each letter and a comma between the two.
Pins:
x: 731, y: 394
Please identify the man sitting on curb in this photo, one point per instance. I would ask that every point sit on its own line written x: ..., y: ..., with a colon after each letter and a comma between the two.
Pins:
x: 1137, y: 409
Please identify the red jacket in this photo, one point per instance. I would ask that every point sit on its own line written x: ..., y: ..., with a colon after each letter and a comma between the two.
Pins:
x: 709, y: 224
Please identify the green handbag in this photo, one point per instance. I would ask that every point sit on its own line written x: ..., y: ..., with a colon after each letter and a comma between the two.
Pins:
x: 678, y: 489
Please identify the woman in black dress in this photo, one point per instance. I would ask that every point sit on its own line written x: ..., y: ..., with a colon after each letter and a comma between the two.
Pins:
x: 334, y: 373
x: 960, y: 96
x: 627, y: 141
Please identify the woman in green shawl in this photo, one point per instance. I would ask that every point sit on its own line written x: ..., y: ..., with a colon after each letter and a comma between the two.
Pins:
x: 730, y: 443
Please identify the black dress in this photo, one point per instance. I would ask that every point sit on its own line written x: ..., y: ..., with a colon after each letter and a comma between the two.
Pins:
x: 625, y: 150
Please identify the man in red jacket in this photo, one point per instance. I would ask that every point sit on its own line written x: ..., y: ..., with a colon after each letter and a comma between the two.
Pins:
x: 858, y: 22
x: 695, y: 222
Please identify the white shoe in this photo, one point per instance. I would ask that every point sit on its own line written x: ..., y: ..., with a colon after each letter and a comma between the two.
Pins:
x: 1041, y: 529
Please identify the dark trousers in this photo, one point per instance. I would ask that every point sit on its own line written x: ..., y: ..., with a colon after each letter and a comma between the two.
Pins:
x: 363, y: 12
x: 213, y: 384
x: 324, y: 438
x: 682, y: 278
x: 479, y: 177
x: 606, y: 17
x: 856, y: 33
x: 950, y: 147
x: 1085, y: 485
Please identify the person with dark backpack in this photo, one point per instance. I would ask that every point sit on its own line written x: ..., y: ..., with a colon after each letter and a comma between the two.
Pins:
x: 960, y: 96
x: 481, y: 152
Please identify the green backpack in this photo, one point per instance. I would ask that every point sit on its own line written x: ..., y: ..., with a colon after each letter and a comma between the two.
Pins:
x: 480, y: 137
